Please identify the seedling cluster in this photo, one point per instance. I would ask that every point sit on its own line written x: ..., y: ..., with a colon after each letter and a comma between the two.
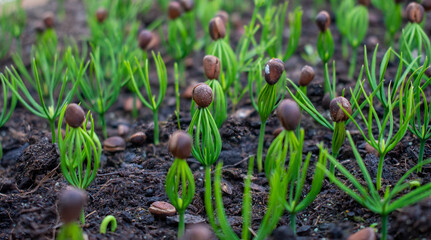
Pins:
x: 376, y: 102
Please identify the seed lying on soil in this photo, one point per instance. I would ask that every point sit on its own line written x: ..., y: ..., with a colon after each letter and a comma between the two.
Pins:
x: 197, y: 232
x: 144, y: 39
x: 415, y: 12
x: 128, y: 104
x: 70, y: 204
x: 114, y: 144
x: 174, y: 10
x: 101, y: 14
x: 162, y: 209
x: 289, y: 114
x: 364, y: 234
x: 217, y: 28
x: 48, y: 19
x: 323, y: 20
x: 202, y: 95
x: 274, y: 68
x: 123, y: 130
x: 74, y: 115
x: 211, y: 67
x: 138, y: 138
x: 187, y: 5
x: 337, y: 113
x: 307, y: 75
x: 180, y: 144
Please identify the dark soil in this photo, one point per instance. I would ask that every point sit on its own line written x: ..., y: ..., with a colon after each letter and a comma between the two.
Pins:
x: 128, y: 182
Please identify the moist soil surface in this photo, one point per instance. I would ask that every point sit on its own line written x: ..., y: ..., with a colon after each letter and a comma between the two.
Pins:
x: 129, y: 181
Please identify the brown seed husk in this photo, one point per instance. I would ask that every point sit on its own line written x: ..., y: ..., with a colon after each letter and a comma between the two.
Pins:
x: 174, y: 10
x: 180, y: 144
x: 337, y: 113
x: 101, y: 14
x: 415, y: 12
x: 217, y: 28
x: 211, y: 67
x: 74, y: 115
x: 144, y: 39
x: 202, y: 95
x: 274, y: 68
x: 162, y: 209
x: 323, y: 20
x: 307, y: 75
x: 289, y: 114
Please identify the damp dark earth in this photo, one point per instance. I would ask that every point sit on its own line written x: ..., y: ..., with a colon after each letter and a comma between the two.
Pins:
x: 201, y: 120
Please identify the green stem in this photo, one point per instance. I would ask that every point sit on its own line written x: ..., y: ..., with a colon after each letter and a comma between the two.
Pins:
x: 384, y: 231
x: 1, y: 151
x: 103, y: 122
x: 156, y: 126
x: 181, y: 225
x: 260, y: 145
x: 293, y: 223
x: 380, y: 171
x: 353, y: 63
x: 82, y: 217
x: 208, y: 202
x: 421, y: 154
x: 344, y: 48
x: 327, y: 82
x: 52, y: 126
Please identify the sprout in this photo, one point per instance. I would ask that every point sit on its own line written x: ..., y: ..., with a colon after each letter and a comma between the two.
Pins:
x: 224, y: 16
x: 174, y: 10
x: 48, y: 19
x: 218, y: 107
x: 217, y: 28
x: 274, y: 68
x: 104, y: 225
x: 340, y: 109
x: 144, y: 39
x: 267, y: 99
x: 101, y: 14
x: 207, y: 142
x: 202, y: 95
x: 336, y: 107
x: 70, y: 207
x: 415, y: 12
x: 323, y: 20
x: 180, y: 175
x: 395, y: 196
x: 71, y: 204
x: 289, y: 114
x: 211, y: 67
x: 180, y: 145
x: 74, y: 115
x: 307, y: 75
